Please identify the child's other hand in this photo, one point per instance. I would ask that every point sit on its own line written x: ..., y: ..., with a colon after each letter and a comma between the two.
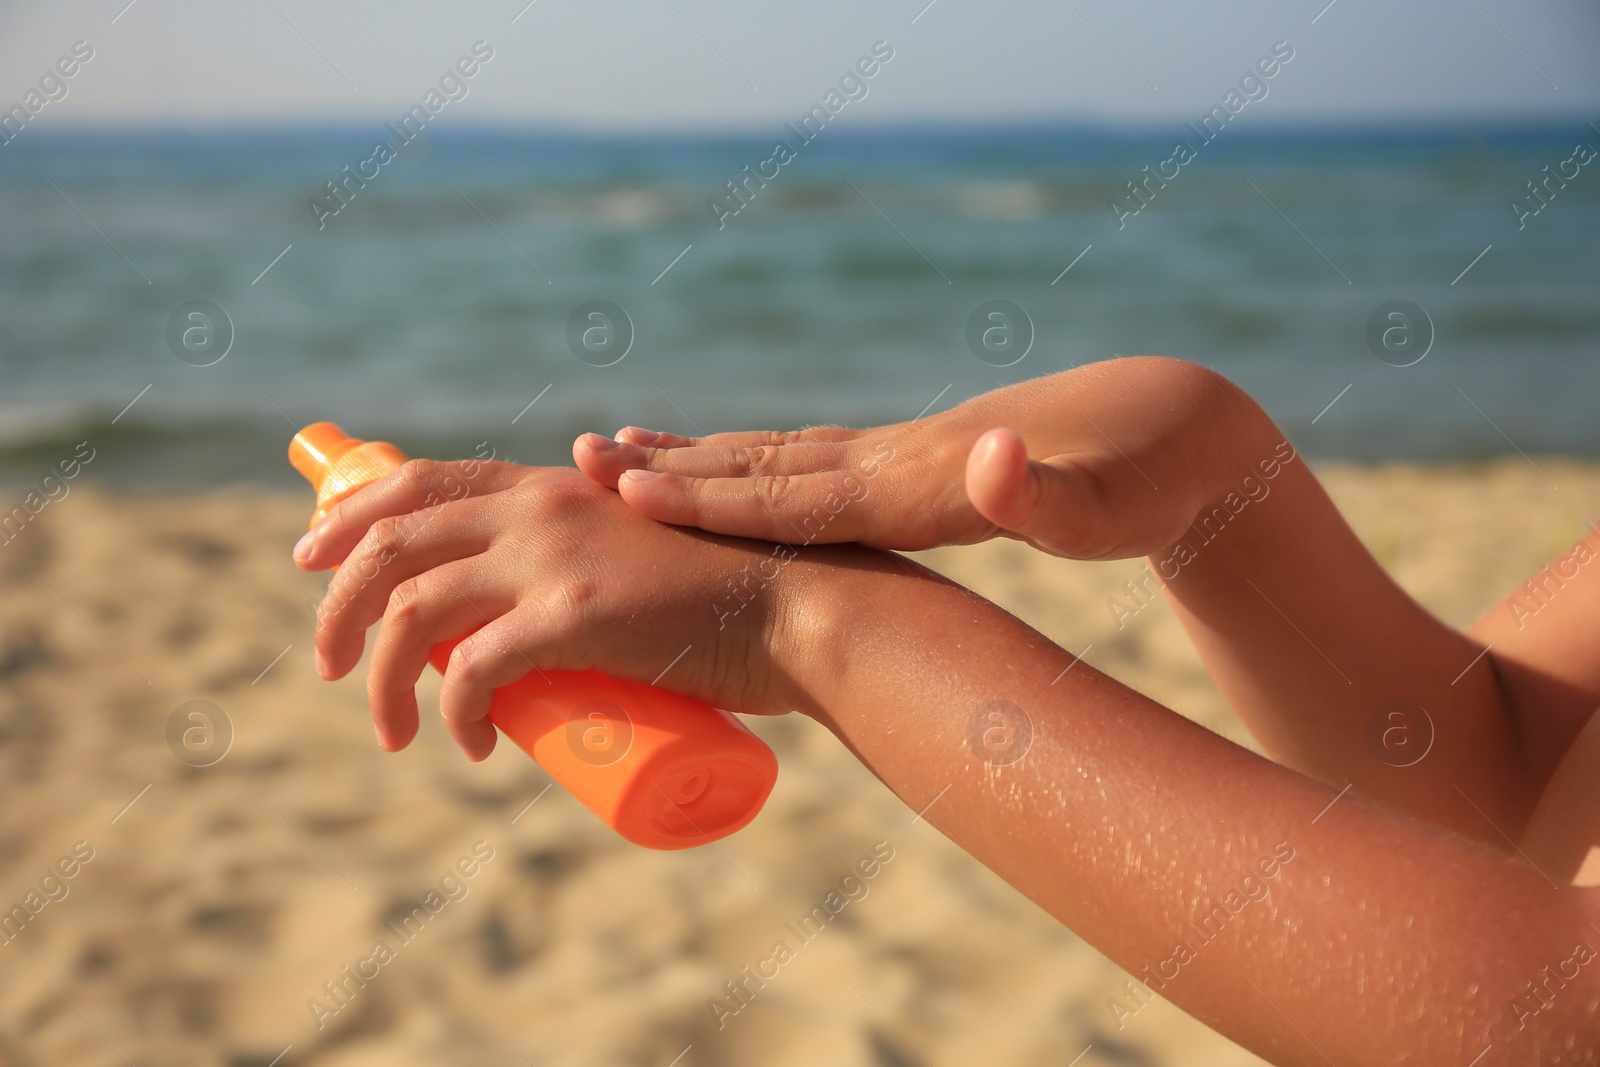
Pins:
x: 553, y: 573
x: 1102, y: 462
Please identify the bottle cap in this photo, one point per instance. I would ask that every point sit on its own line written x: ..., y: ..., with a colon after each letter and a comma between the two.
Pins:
x: 315, y: 448
x: 337, y: 464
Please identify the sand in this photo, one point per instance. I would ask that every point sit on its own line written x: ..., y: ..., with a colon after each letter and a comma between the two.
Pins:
x: 219, y: 899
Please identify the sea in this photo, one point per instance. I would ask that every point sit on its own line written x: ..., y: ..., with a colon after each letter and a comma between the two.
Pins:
x: 185, y: 299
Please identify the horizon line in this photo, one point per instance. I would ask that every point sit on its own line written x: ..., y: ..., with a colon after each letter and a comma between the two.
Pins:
x: 1487, y: 124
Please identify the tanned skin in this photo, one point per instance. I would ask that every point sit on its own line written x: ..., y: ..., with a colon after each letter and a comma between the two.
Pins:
x: 1374, y: 913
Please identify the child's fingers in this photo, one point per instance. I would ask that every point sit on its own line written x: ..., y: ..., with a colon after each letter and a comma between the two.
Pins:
x: 492, y: 657
x: 637, y: 435
x: 476, y: 738
x: 420, y: 483
x: 793, y: 509
x: 1051, y: 503
x: 441, y: 604
x: 394, y: 550
x: 590, y: 450
x: 603, y: 459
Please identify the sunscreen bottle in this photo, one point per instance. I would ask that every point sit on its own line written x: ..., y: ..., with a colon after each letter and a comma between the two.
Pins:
x: 662, y: 770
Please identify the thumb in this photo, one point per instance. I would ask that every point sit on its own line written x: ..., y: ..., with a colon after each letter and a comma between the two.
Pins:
x: 1051, y: 503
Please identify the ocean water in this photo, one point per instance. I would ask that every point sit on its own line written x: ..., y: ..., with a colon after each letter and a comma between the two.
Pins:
x: 435, y: 305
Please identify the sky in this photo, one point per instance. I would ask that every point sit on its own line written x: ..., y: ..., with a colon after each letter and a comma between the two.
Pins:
x: 710, y: 65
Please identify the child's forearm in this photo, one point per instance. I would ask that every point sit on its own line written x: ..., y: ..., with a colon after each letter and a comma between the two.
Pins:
x: 1298, y: 922
x: 1336, y: 670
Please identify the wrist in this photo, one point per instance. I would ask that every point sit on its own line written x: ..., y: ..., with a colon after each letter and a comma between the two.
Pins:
x: 823, y: 631
x: 805, y: 627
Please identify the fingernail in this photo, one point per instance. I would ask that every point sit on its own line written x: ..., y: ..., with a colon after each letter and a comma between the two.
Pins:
x: 316, y: 662
x: 379, y: 735
x: 638, y: 435
x: 599, y: 443
x: 302, y: 547
x: 641, y: 475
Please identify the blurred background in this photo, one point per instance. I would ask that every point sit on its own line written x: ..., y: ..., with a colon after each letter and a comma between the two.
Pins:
x: 1390, y: 239
x: 981, y: 161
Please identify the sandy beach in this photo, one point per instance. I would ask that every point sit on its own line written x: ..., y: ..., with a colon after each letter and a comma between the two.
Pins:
x: 212, y: 908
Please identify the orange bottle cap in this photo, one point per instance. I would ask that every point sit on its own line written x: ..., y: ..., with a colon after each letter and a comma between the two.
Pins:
x: 315, y: 448
x: 337, y: 464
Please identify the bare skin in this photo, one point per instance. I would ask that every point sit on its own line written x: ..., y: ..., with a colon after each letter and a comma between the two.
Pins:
x: 1361, y: 932
x: 1305, y: 633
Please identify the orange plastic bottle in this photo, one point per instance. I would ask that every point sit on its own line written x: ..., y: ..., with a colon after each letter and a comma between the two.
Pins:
x: 662, y: 770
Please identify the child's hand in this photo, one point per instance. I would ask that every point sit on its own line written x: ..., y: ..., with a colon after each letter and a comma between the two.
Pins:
x: 1119, y: 466
x: 558, y: 573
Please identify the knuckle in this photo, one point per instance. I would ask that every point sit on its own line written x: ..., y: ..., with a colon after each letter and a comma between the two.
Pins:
x: 418, y: 472
x: 468, y: 662
x: 345, y: 587
x: 821, y: 432
x: 696, y: 498
x: 328, y: 609
x: 385, y: 539
x: 752, y: 460
x: 405, y: 603
x: 579, y: 596
x: 562, y: 501
x: 772, y: 491
x: 340, y: 513
x: 563, y: 627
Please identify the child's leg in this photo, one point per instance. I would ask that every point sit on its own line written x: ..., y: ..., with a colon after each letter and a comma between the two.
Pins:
x: 1563, y: 835
x: 1545, y: 644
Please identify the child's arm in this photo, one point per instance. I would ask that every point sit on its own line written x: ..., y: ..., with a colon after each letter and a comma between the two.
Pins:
x: 1383, y: 940
x: 1304, y: 632
x: 1337, y: 670
x: 1544, y: 643
x: 1115, y: 440
x: 1300, y: 923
